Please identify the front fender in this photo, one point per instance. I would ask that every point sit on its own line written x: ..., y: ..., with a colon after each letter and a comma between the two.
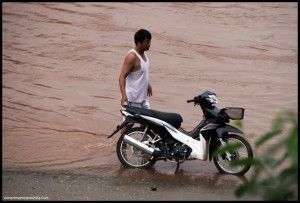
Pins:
x: 227, y: 129
x: 220, y: 132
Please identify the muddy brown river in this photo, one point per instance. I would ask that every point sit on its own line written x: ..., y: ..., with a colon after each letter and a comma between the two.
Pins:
x: 61, y: 63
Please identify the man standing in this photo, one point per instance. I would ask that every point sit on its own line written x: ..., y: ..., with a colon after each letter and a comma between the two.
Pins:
x: 134, y: 77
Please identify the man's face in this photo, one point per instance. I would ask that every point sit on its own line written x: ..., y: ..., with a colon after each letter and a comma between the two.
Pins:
x: 147, y: 43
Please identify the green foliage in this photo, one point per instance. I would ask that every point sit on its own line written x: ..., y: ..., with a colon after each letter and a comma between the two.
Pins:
x: 275, y: 171
x: 271, y: 179
x: 228, y: 147
x: 238, y: 124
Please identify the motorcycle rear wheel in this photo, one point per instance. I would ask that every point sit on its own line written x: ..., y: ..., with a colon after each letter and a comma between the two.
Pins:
x: 130, y: 156
x: 245, y: 151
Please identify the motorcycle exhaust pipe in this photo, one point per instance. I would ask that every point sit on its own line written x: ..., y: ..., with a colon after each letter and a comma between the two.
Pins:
x: 141, y: 146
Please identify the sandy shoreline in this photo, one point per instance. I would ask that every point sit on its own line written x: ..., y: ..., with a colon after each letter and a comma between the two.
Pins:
x: 127, y: 185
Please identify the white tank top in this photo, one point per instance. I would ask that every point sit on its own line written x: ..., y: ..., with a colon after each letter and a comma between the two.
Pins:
x: 137, y: 81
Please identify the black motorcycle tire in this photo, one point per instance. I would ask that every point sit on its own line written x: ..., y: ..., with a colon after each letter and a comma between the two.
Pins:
x: 119, y: 150
x: 249, y: 151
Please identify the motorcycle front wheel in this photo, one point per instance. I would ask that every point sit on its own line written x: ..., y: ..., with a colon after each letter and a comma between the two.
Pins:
x: 129, y: 155
x: 244, y: 151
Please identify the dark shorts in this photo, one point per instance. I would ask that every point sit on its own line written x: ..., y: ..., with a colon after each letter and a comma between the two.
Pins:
x: 145, y: 104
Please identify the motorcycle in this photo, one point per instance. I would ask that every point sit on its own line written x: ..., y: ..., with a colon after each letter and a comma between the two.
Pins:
x: 161, y: 137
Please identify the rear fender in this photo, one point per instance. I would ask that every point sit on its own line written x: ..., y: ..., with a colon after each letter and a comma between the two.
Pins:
x: 220, y: 133
x: 119, y: 127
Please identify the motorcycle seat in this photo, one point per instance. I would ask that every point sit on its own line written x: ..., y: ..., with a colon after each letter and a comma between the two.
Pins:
x: 173, y: 119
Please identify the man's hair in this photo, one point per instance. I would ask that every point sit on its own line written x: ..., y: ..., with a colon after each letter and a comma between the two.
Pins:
x: 141, y: 35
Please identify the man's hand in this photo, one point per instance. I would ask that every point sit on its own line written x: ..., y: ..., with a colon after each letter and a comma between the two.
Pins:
x: 124, y: 100
x: 149, y: 91
x: 126, y: 69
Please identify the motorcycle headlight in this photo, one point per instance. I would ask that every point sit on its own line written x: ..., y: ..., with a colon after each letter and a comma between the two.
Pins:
x: 213, y: 99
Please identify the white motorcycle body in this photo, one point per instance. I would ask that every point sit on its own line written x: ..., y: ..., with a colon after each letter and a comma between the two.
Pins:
x: 209, y: 135
x: 199, y: 147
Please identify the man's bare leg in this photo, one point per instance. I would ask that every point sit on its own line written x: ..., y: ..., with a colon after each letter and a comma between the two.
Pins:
x: 125, y: 128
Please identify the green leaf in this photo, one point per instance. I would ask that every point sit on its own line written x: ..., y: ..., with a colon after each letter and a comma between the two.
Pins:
x: 266, y: 137
x: 284, y: 117
x: 245, y: 162
x: 238, y: 123
x: 272, y: 194
x: 281, y: 184
x: 227, y: 147
x: 291, y: 117
x: 249, y: 187
x: 277, y: 162
x: 287, y: 176
x: 277, y: 123
x: 277, y: 146
x: 270, y: 161
x: 292, y: 145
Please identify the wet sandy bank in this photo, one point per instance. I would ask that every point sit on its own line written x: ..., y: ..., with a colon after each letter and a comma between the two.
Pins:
x: 124, y: 184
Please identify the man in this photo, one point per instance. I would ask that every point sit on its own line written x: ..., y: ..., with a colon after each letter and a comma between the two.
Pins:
x: 134, y: 77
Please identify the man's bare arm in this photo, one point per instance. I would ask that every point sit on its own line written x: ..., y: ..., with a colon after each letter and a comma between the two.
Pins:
x: 149, y: 90
x: 126, y: 69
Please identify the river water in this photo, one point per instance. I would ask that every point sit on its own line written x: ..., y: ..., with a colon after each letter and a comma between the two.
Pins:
x: 61, y: 63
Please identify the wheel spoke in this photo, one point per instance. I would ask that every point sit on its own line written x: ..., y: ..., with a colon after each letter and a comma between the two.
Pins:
x: 222, y: 162
x: 133, y: 156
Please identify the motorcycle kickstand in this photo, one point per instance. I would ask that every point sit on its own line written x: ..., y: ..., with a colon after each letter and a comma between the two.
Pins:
x: 177, y: 166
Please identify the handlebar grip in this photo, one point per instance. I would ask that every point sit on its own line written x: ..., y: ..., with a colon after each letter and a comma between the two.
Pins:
x: 191, y: 100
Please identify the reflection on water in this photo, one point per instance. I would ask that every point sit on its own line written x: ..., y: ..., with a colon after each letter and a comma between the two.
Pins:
x: 181, y: 177
x: 163, y: 174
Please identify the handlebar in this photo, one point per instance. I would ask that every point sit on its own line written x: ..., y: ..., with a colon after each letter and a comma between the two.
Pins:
x: 190, y: 100
x: 196, y: 100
